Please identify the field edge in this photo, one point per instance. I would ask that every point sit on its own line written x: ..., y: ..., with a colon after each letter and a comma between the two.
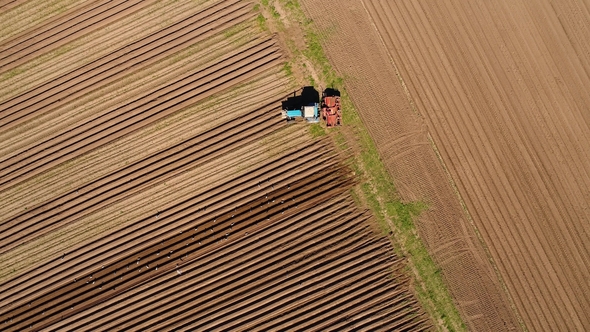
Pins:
x: 309, y: 64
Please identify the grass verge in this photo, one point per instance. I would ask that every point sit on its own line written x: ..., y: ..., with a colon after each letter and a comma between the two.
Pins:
x: 376, y: 189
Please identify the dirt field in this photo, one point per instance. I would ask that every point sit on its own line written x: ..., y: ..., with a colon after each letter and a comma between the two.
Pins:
x: 498, y: 91
x: 147, y: 181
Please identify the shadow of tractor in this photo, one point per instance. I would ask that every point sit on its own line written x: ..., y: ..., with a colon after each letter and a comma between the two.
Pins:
x: 329, y: 92
x: 308, y: 96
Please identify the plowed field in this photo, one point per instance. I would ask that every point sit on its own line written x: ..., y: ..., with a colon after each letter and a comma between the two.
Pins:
x: 483, y: 107
x: 148, y: 182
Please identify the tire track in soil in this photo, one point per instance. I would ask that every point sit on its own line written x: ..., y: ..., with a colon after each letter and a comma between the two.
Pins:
x: 435, y: 126
x: 546, y: 267
x: 495, y: 180
x: 480, y: 298
x: 533, y: 192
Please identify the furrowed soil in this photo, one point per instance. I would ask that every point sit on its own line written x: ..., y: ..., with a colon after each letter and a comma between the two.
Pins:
x: 480, y: 110
x: 148, y: 180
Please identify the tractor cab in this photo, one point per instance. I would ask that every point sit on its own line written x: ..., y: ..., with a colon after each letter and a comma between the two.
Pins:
x: 302, y: 106
x: 309, y: 113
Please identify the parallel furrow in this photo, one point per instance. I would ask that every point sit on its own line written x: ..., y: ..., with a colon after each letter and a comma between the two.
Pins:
x: 137, y: 55
x: 213, y: 266
x: 177, y: 212
x: 176, y: 133
x: 132, y: 117
x: 116, y: 186
x: 90, y: 21
x: 178, y: 249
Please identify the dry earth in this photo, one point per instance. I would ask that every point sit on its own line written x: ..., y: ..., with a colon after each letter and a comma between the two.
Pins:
x: 148, y: 182
x: 484, y: 105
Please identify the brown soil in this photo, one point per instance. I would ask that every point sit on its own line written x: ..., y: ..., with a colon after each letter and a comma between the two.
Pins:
x: 157, y: 187
x: 498, y: 91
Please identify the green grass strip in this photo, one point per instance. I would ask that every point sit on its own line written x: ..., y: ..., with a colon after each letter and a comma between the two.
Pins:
x: 377, y: 190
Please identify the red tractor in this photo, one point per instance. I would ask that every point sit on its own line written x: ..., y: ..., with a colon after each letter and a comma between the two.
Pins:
x: 331, y: 111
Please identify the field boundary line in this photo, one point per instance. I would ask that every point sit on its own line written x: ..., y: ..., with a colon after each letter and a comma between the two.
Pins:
x: 449, y: 177
x: 477, y: 233
x: 397, y: 74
